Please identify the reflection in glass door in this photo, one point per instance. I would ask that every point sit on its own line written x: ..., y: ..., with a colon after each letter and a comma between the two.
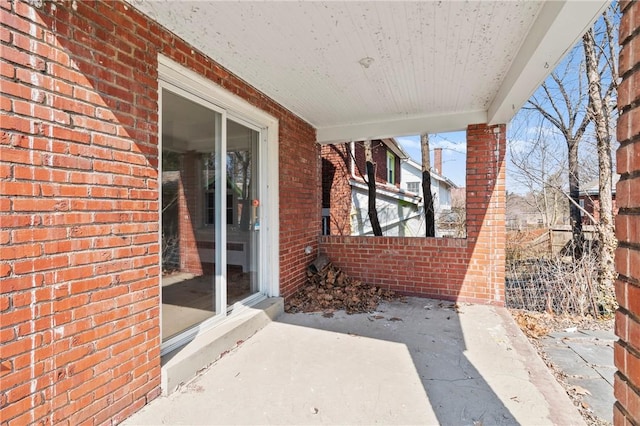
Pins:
x: 191, y: 137
x: 243, y: 211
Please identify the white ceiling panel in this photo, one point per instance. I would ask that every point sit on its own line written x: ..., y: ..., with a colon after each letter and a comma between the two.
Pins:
x: 376, y: 69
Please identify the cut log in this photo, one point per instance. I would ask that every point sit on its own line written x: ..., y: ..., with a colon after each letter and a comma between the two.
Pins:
x: 317, y: 265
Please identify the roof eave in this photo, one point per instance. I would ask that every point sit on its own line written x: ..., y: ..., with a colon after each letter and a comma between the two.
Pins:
x: 559, y: 24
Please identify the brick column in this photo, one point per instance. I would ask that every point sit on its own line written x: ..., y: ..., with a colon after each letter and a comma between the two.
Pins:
x: 484, y: 279
x: 627, y: 349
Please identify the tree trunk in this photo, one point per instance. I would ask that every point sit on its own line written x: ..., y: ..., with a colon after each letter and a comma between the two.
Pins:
x: 545, y: 206
x: 371, y: 183
x: 575, y: 217
x: 600, y: 113
x: 429, y: 213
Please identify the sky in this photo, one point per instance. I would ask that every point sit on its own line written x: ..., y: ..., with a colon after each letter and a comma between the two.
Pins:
x: 454, y: 152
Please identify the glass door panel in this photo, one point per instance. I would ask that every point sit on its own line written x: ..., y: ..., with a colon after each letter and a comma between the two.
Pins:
x: 243, y: 211
x: 191, y: 137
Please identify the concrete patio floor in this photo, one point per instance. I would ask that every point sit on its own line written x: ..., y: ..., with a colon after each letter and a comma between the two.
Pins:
x: 413, y: 362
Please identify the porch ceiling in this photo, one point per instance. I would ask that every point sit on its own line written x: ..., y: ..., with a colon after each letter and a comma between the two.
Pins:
x: 433, y: 66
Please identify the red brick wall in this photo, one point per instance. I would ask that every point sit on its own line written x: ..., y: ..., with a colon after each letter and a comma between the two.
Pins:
x: 379, y: 153
x: 592, y: 206
x: 470, y: 269
x: 300, y: 196
x: 336, y: 190
x: 79, y: 265
x: 627, y: 349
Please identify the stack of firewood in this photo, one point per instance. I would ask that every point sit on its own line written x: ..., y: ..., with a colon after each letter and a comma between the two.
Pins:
x: 329, y: 289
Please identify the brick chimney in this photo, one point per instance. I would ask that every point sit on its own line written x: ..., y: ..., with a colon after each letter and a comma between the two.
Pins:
x: 437, y: 160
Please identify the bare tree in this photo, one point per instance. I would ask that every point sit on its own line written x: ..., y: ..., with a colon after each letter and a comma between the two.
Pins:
x: 538, y: 169
x: 371, y: 184
x: 429, y: 213
x: 581, y: 92
x: 561, y: 100
x: 600, y: 109
x: 459, y: 216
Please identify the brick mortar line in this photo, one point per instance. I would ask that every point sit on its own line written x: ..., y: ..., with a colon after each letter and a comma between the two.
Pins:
x: 625, y: 413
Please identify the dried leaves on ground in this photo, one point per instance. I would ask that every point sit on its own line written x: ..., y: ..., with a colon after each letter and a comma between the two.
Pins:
x: 538, y: 324
x: 330, y: 289
x: 530, y: 324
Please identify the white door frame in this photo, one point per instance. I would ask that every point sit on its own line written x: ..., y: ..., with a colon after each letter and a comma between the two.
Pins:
x: 172, y: 75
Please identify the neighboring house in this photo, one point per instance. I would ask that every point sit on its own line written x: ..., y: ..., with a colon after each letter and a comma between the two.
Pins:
x: 125, y: 120
x: 441, y: 190
x: 590, y: 199
x: 396, y: 209
x: 399, y: 201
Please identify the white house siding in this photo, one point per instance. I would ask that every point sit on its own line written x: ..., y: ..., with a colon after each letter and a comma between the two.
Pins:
x: 440, y: 189
x: 444, y: 196
x: 412, y: 172
x: 399, y: 215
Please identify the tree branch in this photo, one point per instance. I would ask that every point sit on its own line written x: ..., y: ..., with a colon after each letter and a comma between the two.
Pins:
x: 548, y: 116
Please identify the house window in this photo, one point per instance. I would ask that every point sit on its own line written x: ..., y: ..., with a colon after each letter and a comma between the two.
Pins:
x: 210, y: 208
x: 391, y: 168
x: 413, y: 187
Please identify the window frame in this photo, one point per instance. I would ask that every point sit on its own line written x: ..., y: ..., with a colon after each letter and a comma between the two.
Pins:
x: 391, y: 168
x: 417, y: 187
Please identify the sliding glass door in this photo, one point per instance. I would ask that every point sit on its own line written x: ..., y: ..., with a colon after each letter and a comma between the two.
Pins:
x: 210, y: 214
